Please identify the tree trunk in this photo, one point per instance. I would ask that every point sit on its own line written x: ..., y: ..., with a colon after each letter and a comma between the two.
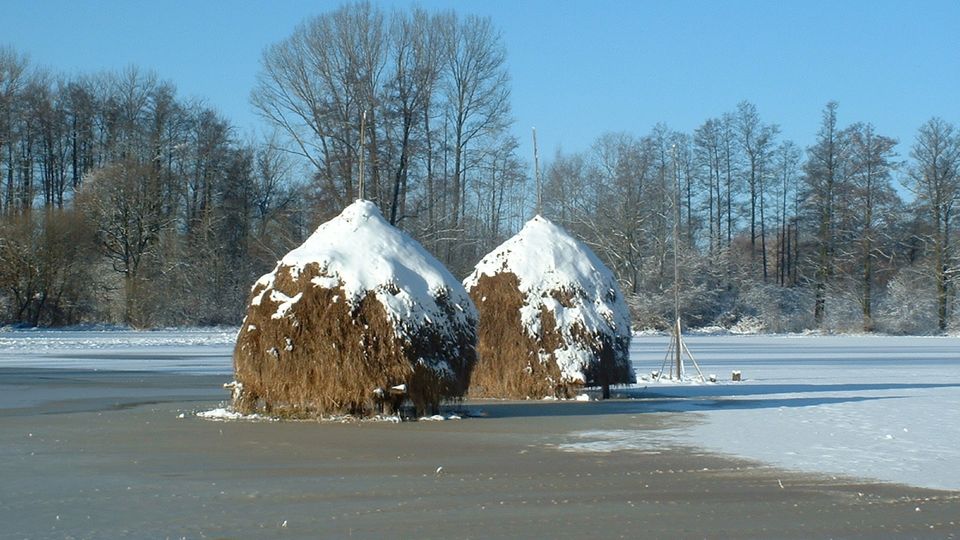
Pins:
x: 402, y: 167
x: 431, y: 193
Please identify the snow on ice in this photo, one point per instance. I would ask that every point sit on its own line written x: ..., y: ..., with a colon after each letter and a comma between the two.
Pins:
x: 866, y: 406
x: 185, y: 350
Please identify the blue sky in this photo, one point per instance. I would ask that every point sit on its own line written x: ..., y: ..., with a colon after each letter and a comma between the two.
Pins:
x: 578, y: 68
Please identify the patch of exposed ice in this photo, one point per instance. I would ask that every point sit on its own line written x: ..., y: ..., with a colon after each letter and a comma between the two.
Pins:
x: 648, y: 441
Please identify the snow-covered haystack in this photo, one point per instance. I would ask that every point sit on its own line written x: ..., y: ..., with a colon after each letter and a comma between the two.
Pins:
x: 552, y: 318
x: 358, y: 316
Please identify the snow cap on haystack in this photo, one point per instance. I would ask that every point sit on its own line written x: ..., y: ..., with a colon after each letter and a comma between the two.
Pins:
x: 359, y: 313
x: 552, y: 317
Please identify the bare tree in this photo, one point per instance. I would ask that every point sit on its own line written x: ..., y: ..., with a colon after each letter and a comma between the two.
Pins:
x: 124, y: 202
x: 757, y: 141
x: 476, y: 90
x: 416, y: 57
x: 730, y: 159
x: 47, y: 267
x: 823, y: 176
x: 787, y: 164
x: 708, y: 149
x: 13, y: 75
x: 315, y: 86
x: 872, y: 158
x: 935, y: 180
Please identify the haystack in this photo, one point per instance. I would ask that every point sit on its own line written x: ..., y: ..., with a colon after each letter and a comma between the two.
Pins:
x: 552, y: 318
x: 358, y: 315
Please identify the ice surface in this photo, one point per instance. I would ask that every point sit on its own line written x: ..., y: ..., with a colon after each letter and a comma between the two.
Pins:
x: 199, y: 351
x: 545, y: 259
x: 876, y: 407
x: 868, y: 406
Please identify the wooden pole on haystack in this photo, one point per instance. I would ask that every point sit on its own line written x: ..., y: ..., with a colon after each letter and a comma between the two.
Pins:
x: 536, y: 173
x: 363, y: 122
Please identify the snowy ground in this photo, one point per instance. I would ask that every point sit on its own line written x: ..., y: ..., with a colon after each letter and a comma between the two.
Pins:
x: 197, y: 351
x: 876, y: 407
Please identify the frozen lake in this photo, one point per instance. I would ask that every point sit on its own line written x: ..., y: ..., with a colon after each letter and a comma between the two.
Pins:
x: 197, y: 351
x: 876, y: 407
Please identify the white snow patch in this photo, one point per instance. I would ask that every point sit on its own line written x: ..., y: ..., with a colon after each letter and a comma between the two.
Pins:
x: 222, y: 414
x: 868, y: 406
x: 438, y: 418
x: 325, y: 282
x: 359, y: 252
x: 286, y: 303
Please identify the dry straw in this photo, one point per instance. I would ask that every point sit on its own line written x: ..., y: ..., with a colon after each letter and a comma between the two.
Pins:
x: 357, y: 320
x: 328, y: 357
x: 514, y: 364
x: 552, y: 318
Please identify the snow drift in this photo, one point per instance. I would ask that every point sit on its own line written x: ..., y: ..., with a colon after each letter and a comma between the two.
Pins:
x: 358, y: 315
x: 552, y: 318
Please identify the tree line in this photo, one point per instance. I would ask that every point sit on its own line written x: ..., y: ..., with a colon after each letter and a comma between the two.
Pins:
x: 122, y: 202
x: 770, y: 234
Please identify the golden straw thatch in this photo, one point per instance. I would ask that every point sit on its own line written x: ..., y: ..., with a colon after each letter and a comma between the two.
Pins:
x: 358, y: 319
x: 552, y: 318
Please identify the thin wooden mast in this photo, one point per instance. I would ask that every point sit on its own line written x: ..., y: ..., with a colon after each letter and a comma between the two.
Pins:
x: 363, y: 122
x: 536, y: 173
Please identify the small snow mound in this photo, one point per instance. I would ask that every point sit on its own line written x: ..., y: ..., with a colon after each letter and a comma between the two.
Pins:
x: 222, y: 414
x: 747, y: 326
x: 648, y: 332
x: 712, y: 330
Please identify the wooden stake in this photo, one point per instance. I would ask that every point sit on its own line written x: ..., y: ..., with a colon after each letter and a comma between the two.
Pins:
x: 363, y: 122
x: 536, y: 172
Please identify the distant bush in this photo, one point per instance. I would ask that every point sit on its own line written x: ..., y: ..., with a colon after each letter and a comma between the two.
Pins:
x: 906, y: 308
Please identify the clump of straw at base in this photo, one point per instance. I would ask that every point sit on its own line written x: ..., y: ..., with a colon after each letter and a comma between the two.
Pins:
x: 552, y: 318
x: 358, y: 316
